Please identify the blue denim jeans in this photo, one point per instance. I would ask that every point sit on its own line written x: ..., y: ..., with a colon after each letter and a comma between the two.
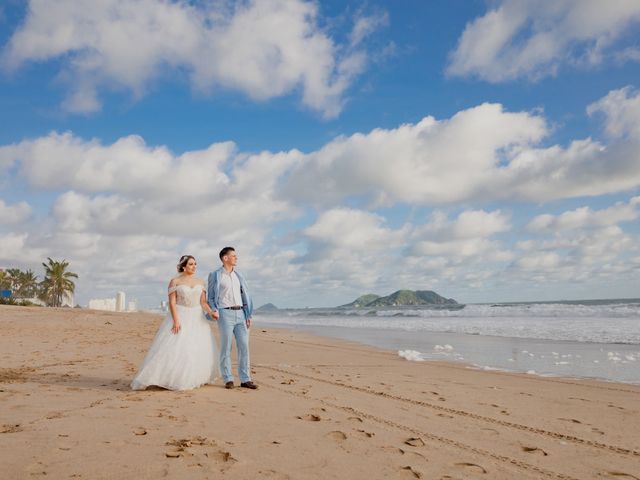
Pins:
x: 232, y: 323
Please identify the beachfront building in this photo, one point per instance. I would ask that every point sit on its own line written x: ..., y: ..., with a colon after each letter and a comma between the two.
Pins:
x: 108, y: 304
x: 132, y: 306
x: 120, y: 302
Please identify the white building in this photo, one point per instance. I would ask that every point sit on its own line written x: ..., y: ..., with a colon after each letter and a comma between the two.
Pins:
x: 132, y: 306
x: 108, y: 304
x: 120, y: 302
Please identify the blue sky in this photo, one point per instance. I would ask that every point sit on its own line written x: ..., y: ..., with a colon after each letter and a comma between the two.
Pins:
x: 485, y: 150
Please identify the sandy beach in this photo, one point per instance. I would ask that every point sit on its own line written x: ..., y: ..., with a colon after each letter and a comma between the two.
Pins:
x: 325, y: 409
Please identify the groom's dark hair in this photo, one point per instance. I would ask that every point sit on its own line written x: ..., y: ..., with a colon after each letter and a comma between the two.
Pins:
x: 226, y: 250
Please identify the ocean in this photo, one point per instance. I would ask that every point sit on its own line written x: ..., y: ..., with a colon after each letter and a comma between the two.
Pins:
x: 582, y: 339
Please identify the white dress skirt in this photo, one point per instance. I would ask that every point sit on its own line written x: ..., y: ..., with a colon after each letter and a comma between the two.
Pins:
x: 183, y: 360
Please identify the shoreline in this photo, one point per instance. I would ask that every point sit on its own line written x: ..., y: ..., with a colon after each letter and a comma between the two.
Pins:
x: 326, y: 408
x: 528, y: 356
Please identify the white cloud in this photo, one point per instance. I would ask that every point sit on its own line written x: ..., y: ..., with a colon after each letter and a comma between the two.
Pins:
x: 462, y: 239
x: 128, y: 165
x: 352, y: 229
x: 469, y: 224
x: 366, y: 25
x: 524, y: 38
x: 262, y: 48
x: 479, y: 154
x: 12, y: 214
x: 123, y: 212
x: 427, y: 162
x: 16, y: 249
x: 349, y: 245
x: 579, y: 246
x: 349, y: 251
x: 141, y: 187
x: 577, y: 256
x: 585, y: 217
x: 621, y: 109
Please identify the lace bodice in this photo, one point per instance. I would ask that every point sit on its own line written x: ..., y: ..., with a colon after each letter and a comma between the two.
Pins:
x: 187, y: 296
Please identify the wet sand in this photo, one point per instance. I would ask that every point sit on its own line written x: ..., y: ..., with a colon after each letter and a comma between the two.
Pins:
x: 325, y: 409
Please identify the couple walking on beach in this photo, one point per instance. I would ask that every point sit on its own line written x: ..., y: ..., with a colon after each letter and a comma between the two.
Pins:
x: 183, y: 354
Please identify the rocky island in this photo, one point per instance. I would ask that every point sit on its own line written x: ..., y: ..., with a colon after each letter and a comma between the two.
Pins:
x: 400, y: 298
x: 267, y: 307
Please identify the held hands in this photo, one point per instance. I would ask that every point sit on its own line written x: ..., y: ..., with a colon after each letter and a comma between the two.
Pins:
x: 248, y: 323
x: 176, y: 327
x: 214, y: 314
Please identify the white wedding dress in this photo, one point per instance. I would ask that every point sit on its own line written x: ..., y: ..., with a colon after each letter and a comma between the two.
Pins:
x: 184, y: 360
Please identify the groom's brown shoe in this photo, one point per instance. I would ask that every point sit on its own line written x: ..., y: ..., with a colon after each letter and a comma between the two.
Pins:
x: 228, y: 385
x: 250, y: 385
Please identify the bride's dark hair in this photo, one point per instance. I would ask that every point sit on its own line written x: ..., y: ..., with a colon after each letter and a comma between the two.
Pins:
x: 184, y: 259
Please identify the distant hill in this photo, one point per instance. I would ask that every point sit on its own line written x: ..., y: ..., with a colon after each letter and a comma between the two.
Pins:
x: 402, y: 298
x: 362, y: 301
x: 267, y: 307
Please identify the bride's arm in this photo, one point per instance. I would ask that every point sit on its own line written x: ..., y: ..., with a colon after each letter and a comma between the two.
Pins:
x: 205, y: 305
x: 172, y: 306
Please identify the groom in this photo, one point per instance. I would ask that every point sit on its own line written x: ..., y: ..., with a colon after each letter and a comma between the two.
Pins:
x: 228, y: 295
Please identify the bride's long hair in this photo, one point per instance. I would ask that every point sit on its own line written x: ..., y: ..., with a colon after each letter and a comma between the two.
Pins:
x: 184, y: 259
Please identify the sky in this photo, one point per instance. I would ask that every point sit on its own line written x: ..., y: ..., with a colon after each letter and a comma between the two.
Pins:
x: 487, y: 150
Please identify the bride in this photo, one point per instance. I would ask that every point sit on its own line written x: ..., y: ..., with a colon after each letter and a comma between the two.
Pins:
x: 183, y: 354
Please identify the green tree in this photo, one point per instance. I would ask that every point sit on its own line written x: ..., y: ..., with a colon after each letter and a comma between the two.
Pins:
x: 57, y: 282
x: 26, y: 285
x: 5, y: 284
x: 13, y: 278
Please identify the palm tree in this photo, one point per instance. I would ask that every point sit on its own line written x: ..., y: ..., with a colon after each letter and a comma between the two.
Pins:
x: 13, y: 278
x: 26, y: 285
x: 5, y: 284
x: 57, y: 282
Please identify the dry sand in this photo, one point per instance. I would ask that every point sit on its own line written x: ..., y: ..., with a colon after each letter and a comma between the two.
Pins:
x: 325, y: 409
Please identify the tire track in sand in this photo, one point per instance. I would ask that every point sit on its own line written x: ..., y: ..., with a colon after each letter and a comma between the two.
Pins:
x: 429, y: 436
x: 463, y: 413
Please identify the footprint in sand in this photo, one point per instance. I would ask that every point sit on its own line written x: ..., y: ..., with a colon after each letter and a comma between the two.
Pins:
x: 572, y: 420
x: 471, y: 467
x: 310, y: 417
x: 390, y: 449
x: 184, y: 448
x: 366, y: 434
x: 221, y: 456
x: 133, y: 398
x: 621, y: 475
x: 337, y: 435
x: 409, y: 472
x: 415, y: 442
x: 11, y: 428
x: 534, y: 450
x: 356, y: 419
